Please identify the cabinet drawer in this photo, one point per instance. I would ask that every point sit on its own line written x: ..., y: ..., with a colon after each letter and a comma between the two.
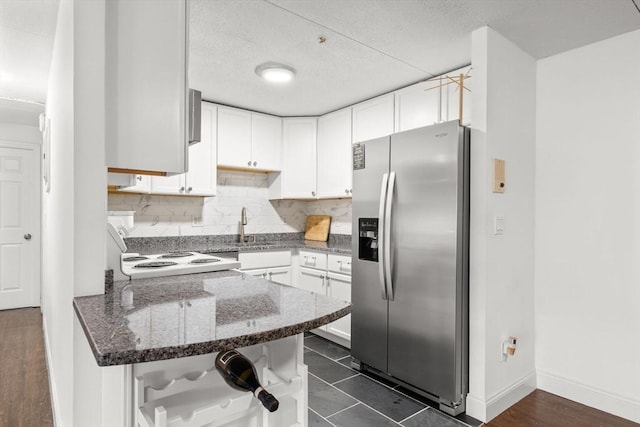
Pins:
x: 339, y: 264
x: 264, y: 259
x: 313, y: 260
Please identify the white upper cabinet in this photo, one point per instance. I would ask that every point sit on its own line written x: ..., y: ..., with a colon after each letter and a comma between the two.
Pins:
x: 234, y: 137
x: 417, y: 106
x: 373, y: 118
x: 249, y: 140
x: 266, y: 142
x: 146, y: 85
x: 298, y: 177
x: 334, y: 154
x: 433, y: 101
x: 201, y: 178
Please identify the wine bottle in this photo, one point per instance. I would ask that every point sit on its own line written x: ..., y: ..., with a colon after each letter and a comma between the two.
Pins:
x: 239, y: 373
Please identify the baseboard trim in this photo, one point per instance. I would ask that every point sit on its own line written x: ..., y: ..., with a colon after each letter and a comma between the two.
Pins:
x: 486, y: 410
x: 52, y: 386
x: 612, y: 403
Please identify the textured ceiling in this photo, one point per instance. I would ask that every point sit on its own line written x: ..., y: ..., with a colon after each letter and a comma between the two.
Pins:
x: 372, y: 46
x: 27, y: 29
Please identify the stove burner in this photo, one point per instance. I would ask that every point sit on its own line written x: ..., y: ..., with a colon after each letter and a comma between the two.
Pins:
x: 203, y: 261
x: 135, y: 258
x: 155, y: 264
x: 176, y: 255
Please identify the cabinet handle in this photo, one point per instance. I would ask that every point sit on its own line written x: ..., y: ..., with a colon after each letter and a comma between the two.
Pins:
x: 270, y: 275
x: 350, y: 191
x: 249, y: 163
x: 182, y: 189
x: 313, y: 193
x: 189, y: 189
x: 255, y: 163
x: 188, y: 303
x: 346, y: 190
x: 180, y: 304
x: 139, y: 177
x: 328, y: 281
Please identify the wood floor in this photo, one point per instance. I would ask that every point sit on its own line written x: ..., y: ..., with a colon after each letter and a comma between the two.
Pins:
x: 25, y: 401
x: 548, y: 410
x: 24, y: 385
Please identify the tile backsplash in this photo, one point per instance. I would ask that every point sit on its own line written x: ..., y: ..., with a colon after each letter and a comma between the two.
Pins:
x: 191, y: 216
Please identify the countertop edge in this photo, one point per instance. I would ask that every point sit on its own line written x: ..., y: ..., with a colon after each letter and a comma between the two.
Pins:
x: 206, y: 347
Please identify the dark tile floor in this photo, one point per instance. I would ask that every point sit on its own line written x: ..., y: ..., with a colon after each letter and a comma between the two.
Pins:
x: 341, y: 396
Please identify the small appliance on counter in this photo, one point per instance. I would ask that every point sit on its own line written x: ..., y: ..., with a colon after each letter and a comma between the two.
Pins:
x: 128, y: 266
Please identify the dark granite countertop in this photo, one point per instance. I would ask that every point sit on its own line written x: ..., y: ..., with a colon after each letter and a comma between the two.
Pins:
x: 335, y: 248
x: 162, y: 318
x: 216, y: 244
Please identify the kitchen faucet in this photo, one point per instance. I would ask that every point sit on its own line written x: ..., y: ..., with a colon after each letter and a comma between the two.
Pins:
x: 243, y: 222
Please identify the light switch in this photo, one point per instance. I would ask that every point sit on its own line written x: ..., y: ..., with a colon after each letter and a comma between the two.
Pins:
x: 498, y: 225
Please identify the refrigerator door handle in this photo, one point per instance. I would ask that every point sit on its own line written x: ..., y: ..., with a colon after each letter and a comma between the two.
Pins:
x: 381, y: 233
x: 388, y: 253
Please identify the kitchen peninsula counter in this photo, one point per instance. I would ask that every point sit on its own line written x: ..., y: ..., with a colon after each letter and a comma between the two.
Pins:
x: 161, y: 318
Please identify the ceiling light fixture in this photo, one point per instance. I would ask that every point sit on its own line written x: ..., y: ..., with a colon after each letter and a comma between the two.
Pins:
x: 276, y: 73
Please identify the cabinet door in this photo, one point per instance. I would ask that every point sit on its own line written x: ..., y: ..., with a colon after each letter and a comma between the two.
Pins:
x: 339, y: 287
x: 146, y: 85
x: 299, y: 161
x: 201, y: 178
x: 312, y: 280
x: 142, y: 185
x: 418, y: 105
x: 373, y: 118
x: 334, y: 155
x: 234, y: 137
x: 168, y: 184
x: 266, y: 142
x: 280, y: 275
x: 257, y: 272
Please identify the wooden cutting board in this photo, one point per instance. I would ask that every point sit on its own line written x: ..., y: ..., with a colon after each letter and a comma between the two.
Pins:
x: 317, y: 228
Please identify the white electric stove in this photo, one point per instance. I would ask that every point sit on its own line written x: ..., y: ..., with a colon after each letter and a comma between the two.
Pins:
x: 172, y: 264
x: 135, y: 266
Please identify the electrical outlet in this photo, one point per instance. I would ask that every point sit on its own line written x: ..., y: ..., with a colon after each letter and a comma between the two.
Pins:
x: 196, y: 221
x: 498, y: 225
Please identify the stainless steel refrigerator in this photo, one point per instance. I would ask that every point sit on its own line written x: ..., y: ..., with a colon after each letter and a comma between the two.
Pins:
x: 410, y: 260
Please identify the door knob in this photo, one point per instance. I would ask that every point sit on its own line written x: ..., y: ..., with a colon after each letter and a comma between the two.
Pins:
x: 27, y: 236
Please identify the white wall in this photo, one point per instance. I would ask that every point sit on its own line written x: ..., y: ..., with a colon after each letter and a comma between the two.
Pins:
x: 501, y: 266
x: 57, y: 277
x: 588, y: 225
x: 172, y: 215
x: 74, y: 209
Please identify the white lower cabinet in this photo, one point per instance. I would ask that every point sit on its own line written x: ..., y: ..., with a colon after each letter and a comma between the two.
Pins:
x: 280, y: 275
x: 327, y: 274
x: 339, y: 287
x: 274, y: 266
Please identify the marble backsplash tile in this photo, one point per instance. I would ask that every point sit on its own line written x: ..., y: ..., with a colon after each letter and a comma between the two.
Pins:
x: 220, y: 215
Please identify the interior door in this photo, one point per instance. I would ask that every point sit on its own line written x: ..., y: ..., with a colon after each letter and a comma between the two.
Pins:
x: 19, y: 225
